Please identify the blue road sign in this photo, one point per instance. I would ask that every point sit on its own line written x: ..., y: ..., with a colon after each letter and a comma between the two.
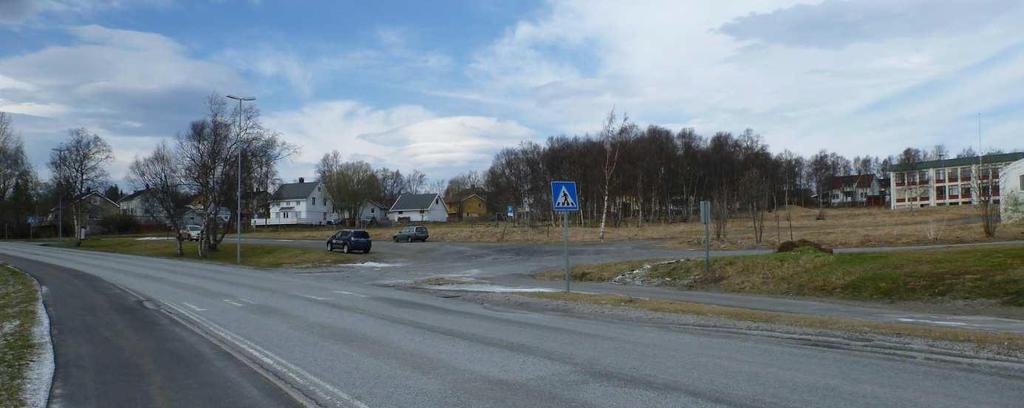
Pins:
x: 509, y: 211
x: 563, y: 196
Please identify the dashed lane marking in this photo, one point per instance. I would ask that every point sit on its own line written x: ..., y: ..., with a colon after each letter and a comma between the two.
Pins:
x: 193, y: 307
x: 345, y: 292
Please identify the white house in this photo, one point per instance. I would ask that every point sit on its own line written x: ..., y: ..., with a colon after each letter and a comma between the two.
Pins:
x: 419, y: 208
x: 859, y: 189
x: 1011, y: 185
x: 298, y: 203
x: 138, y: 206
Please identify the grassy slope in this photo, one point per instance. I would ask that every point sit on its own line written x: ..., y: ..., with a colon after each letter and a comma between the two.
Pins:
x: 269, y: 256
x: 842, y: 227
x: 18, y: 299
x: 991, y: 273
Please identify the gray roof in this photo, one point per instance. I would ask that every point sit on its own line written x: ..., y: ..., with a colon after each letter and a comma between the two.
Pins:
x: 292, y: 191
x: 132, y: 196
x: 962, y: 161
x: 414, y: 202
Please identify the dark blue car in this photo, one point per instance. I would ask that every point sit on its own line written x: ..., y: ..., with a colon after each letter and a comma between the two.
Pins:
x: 350, y: 240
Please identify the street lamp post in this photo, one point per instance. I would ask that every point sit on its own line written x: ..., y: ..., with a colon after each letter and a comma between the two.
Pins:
x: 238, y: 210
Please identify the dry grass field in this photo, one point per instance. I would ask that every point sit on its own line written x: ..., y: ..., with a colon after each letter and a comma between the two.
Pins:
x: 842, y: 227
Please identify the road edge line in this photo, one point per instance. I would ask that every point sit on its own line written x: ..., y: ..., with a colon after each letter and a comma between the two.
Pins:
x: 284, y: 386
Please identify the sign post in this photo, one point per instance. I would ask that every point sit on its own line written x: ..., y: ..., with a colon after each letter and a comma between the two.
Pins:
x: 564, y: 200
x: 705, y: 218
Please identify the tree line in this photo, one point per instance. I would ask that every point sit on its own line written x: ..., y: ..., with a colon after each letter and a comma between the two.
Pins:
x: 626, y: 175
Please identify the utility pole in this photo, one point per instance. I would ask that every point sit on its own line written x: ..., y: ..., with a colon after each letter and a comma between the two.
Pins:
x: 238, y: 210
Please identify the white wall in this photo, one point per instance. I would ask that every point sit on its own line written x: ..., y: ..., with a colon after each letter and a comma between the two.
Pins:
x: 1011, y: 202
x: 314, y: 209
x: 436, y: 213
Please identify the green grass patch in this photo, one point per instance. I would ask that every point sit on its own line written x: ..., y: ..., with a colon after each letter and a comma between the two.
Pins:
x: 1001, y: 343
x: 994, y: 273
x: 257, y: 255
x: 18, y: 300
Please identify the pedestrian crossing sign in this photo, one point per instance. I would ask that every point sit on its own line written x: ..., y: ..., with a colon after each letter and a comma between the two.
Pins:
x: 563, y: 196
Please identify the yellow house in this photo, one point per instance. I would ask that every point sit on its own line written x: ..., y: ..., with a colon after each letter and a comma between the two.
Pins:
x: 473, y: 207
x: 470, y: 207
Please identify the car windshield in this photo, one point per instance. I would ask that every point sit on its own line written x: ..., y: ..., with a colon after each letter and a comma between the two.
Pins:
x: 194, y: 228
x: 421, y: 229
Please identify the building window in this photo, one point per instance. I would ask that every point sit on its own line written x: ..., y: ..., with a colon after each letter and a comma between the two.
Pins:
x: 965, y: 173
x: 314, y: 200
x: 940, y: 192
x: 954, y: 191
x: 923, y: 176
x: 900, y: 178
x: 940, y: 175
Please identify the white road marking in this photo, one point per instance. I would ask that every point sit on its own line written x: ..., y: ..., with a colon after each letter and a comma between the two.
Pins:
x: 313, y: 297
x: 343, y: 292
x: 247, y: 301
x: 939, y: 322
x: 232, y: 302
x: 339, y: 398
x: 193, y: 307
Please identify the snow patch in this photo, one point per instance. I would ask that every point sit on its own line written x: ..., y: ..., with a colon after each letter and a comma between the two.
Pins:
x: 155, y: 239
x: 375, y: 265
x: 40, y: 371
x: 490, y: 288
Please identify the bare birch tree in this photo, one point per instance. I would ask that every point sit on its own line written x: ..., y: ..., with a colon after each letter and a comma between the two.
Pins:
x: 78, y: 167
x: 161, y: 174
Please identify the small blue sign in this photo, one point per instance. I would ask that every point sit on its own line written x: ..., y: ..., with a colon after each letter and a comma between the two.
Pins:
x: 563, y: 196
x: 509, y: 211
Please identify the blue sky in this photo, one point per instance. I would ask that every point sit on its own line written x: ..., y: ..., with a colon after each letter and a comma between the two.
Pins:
x: 441, y: 86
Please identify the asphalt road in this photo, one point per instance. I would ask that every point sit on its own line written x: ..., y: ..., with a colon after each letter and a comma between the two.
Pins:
x: 110, y: 350
x: 344, y: 342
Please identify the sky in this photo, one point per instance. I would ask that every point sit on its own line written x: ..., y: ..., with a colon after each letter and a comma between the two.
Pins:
x: 441, y: 86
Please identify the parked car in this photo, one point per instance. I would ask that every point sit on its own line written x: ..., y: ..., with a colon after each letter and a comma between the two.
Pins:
x: 412, y: 233
x: 350, y: 240
x: 193, y: 232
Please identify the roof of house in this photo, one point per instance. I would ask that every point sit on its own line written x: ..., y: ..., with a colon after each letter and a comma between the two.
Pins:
x: 962, y: 161
x: 376, y: 204
x: 414, y: 202
x: 134, y: 195
x: 295, y: 190
x: 473, y: 195
x: 862, y: 181
x: 97, y: 194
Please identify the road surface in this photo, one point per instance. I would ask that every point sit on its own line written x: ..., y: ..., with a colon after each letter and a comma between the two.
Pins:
x: 343, y: 342
x: 111, y: 350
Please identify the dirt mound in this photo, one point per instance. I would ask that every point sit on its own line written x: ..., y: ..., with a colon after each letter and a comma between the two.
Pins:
x: 790, y: 246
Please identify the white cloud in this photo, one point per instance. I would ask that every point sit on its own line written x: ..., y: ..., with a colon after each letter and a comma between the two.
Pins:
x: 403, y: 137
x: 732, y: 65
x: 123, y: 85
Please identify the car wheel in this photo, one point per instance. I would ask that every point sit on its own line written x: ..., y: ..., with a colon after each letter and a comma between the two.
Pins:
x: 330, y: 247
x: 366, y: 251
x: 344, y: 248
x: 396, y: 239
x: 408, y: 239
